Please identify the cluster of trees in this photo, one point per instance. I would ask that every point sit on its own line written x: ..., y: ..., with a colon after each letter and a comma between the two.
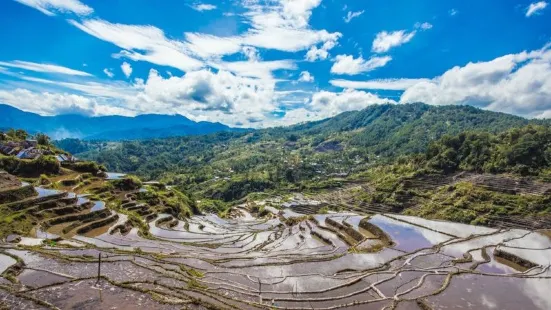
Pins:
x: 30, y: 168
x: 525, y: 151
x: 20, y: 135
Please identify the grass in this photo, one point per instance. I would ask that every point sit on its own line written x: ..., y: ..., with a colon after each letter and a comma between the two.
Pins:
x: 467, y: 203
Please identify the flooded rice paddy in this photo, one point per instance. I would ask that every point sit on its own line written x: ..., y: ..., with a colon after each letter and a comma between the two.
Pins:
x: 286, y: 260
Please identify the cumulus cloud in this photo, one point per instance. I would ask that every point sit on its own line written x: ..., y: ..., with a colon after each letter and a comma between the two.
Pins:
x: 347, y: 64
x: 47, y: 68
x: 315, y: 53
x: 126, y: 69
x: 351, y: 15
x: 108, y: 72
x: 200, y: 95
x: 50, y: 7
x: 384, y: 40
x: 203, y: 7
x: 326, y: 104
x: 48, y: 103
x: 330, y: 103
x: 305, y: 76
x: 535, y: 8
x: 515, y: 83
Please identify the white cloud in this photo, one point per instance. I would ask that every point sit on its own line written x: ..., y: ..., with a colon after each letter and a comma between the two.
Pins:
x: 126, y: 69
x: 453, y: 12
x: 321, y: 53
x: 280, y: 24
x: 516, y: 83
x: 351, y: 15
x: 305, y: 76
x: 283, y: 25
x: 38, y: 67
x: 331, y: 103
x: 142, y: 43
x: 256, y: 69
x: 347, y: 64
x: 383, y: 84
x: 108, y: 72
x: 326, y: 104
x: 535, y: 8
x: 118, y: 90
x: 48, y: 103
x: 203, y: 7
x: 207, y: 46
x: 251, y: 53
x: 384, y: 40
x: 49, y: 7
x: 423, y: 26
x: 200, y: 95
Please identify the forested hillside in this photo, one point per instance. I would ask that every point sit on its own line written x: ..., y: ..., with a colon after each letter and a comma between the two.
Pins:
x: 228, y: 166
x: 379, y: 131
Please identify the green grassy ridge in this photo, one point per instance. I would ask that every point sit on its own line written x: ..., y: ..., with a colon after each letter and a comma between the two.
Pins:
x: 467, y: 203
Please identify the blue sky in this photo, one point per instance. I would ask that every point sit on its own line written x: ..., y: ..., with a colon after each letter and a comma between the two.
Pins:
x: 255, y: 63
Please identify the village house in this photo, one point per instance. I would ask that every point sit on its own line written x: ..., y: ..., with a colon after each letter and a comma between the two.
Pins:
x: 29, y: 153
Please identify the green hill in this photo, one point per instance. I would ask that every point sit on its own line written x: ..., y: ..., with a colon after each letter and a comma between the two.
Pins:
x: 229, y: 165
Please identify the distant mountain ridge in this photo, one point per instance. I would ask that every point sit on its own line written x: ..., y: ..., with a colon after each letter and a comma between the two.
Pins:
x: 114, y: 128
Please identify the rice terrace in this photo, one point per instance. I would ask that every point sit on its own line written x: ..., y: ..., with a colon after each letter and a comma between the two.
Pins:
x: 266, y: 254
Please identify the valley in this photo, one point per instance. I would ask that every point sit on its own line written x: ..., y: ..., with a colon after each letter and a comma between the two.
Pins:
x: 311, y: 217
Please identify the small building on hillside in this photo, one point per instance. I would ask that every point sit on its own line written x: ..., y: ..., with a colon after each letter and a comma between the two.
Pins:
x: 29, y: 143
x: 29, y: 153
x: 62, y: 158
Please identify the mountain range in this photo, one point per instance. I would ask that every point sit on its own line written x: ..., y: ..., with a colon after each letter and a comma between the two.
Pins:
x: 112, y: 128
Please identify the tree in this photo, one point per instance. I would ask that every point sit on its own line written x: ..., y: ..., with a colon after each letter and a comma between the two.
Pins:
x: 21, y: 134
x: 42, y: 139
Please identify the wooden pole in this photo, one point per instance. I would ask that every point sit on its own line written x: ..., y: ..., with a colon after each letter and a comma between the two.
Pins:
x: 259, y: 291
x: 99, y: 267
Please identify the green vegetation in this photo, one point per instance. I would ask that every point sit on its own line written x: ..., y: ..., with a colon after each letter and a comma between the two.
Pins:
x: 30, y: 168
x: 85, y: 166
x: 169, y: 201
x: 228, y: 166
x: 467, y: 203
x: 525, y: 151
x: 127, y: 183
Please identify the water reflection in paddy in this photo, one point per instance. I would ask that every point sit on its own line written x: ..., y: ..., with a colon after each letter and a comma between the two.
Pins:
x: 98, y: 205
x: 293, y: 262
x: 406, y: 236
x: 114, y: 175
x: 481, y: 292
x: 44, y: 192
